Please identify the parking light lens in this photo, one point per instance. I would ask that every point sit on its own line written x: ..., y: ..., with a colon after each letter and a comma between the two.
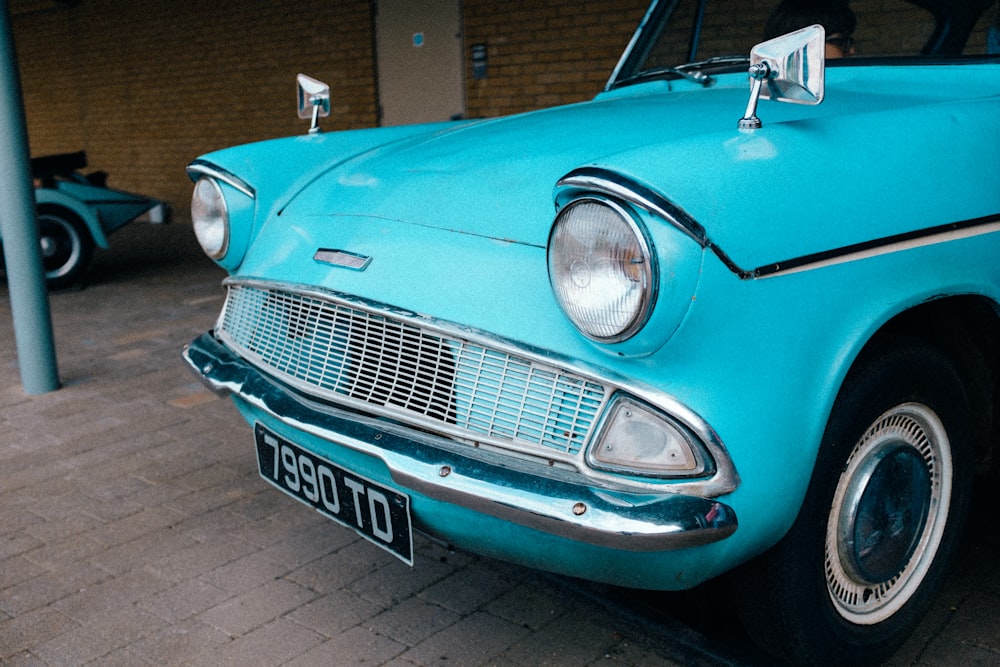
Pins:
x: 601, y: 269
x: 210, y: 217
x: 638, y: 440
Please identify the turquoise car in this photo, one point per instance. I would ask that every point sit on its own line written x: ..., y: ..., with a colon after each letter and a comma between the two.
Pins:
x: 737, y: 315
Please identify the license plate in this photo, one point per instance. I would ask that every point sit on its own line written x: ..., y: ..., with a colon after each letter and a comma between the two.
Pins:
x: 377, y: 513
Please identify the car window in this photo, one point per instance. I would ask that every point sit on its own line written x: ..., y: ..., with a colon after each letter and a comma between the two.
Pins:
x: 885, y: 28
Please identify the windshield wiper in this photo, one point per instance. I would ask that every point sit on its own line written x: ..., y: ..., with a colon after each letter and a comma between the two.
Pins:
x: 714, y: 62
x: 660, y: 72
x: 688, y: 71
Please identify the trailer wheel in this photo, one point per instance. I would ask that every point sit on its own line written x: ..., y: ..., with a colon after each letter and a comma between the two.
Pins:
x: 67, y: 246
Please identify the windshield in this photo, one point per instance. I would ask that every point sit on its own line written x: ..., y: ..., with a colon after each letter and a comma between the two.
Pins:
x: 718, y: 34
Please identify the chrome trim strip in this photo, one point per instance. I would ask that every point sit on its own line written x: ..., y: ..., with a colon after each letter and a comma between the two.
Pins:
x: 595, y: 179
x: 559, y: 504
x: 725, y: 479
x: 891, y: 244
x: 204, y: 168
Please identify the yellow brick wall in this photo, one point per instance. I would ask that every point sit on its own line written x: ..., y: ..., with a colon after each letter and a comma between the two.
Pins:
x: 545, y: 52
x: 145, y: 87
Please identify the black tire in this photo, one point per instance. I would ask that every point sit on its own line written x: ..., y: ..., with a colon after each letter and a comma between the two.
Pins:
x: 880, y: 521
x: 67, y: 246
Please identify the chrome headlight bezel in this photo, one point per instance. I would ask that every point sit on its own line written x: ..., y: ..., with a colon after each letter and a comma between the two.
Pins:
x: 596, y: 238
x: 210, y: 217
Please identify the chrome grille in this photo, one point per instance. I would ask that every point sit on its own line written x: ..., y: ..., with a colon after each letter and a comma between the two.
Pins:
x: 397, y: 364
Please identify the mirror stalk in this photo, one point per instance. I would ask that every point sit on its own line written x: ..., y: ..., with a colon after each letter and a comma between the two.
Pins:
x: 758, y: 72
x: 315, y: 128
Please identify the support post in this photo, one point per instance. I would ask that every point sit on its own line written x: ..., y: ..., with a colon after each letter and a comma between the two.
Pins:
x: 29, y: 300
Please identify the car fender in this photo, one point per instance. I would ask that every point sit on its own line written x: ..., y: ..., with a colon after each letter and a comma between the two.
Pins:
x: 79, y: 208
x: 782, y: 348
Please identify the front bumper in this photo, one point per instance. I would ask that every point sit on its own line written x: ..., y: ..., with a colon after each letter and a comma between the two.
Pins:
x: 497, y: 486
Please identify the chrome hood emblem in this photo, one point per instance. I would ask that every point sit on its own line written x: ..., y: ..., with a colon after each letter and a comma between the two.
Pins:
x: 342, y: 258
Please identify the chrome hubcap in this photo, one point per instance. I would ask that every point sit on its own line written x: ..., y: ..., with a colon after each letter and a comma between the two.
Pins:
x: 61, y: 247
x: 888, y: 514
x: 48, y: 246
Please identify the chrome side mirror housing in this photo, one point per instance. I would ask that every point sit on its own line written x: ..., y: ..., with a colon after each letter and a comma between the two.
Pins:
x: 314, y: 100
x: 790, y: 68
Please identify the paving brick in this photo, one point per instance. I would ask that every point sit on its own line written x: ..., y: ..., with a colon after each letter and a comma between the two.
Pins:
x: 49, y: 587
x: 335, y: 612
x: 413, y: 620
x: 951, y: 652
x: 23, y: 660
x: 105, y: 632
x: 26, y: 631
x: 248, y: 611
x: 309, y: 541
x: 55, y: 555
x: 246, y: 573
x: 471, y: 641
x: 184, y: 600
x: 13, y: 544
x: 180, y: 643
x: 127, y: 528
x: 275, y: 643
x: 134, y: 588
x: 121, y: 657
x: 140, y: 552
x: 198, y: 558
x: 530, y: 605
x: 582, y: 641
x: 470, y: 588
x: 357, y: 646
x: 18, y: 569
x: 199, y: 503
x: 395, y: 581
x: 974, y: 622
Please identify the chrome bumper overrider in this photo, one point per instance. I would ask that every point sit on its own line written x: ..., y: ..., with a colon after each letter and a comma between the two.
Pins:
x: 428, y: 465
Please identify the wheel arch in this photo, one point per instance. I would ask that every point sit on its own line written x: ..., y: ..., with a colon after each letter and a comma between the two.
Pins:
x: 52, y: 198
x: 966, y: 329
x: 957, y: 339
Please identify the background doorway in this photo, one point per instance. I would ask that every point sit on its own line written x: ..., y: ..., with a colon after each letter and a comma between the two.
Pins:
x: 420, y: 66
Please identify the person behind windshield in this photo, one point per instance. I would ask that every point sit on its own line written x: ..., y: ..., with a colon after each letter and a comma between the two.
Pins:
x: 835, y: 16
x: 993, y: 34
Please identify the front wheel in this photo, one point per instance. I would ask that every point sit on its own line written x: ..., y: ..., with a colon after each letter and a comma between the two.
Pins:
x: 66, y: 246
x: 880, y: 521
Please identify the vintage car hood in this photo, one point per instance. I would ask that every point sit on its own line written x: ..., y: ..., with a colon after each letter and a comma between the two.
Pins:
x: 495, y: 178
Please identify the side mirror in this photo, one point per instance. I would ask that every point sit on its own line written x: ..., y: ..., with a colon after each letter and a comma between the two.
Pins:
x: 790, y: 68
x: 314, y: 100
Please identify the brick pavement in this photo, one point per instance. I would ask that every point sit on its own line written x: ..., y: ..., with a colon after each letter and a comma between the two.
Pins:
x: 134, y: 529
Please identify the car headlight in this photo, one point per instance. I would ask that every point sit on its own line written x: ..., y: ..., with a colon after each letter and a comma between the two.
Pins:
x: 639, y: 440
x: 210, y: 217
x: 601, y: 269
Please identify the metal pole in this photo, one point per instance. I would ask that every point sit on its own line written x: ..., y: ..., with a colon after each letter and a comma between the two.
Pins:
x: 29, y: 300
